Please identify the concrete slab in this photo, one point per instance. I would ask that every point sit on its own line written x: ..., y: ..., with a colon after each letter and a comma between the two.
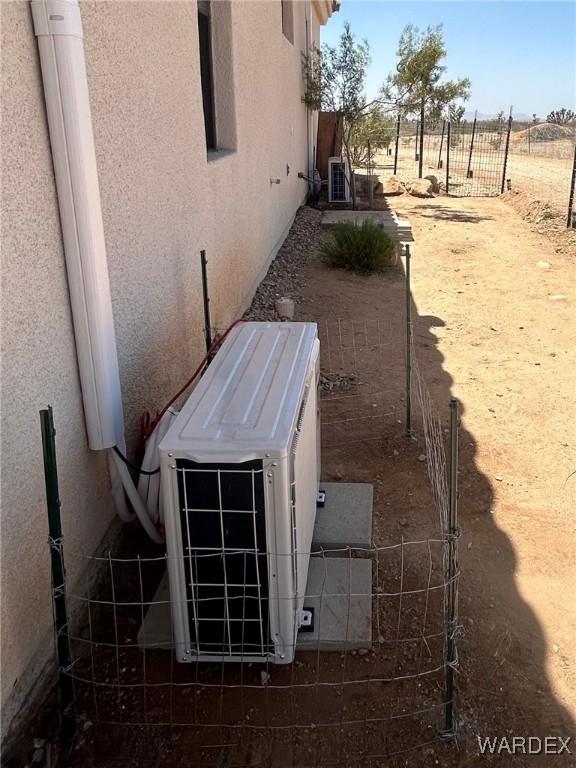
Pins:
x: 339, y: 589
x: 156, y: 629
x: 346, y: 518
x: 398, y: 229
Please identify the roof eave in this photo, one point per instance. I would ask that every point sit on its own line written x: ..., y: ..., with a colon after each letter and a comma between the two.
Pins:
x: 324, y: 9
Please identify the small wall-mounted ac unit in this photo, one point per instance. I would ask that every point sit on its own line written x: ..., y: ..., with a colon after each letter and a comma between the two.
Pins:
x: 240, y: 470
x: 338, y: 181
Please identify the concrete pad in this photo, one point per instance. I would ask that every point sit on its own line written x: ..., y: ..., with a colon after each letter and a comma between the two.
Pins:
x: 397, y: 229
x: 339, y: 589
x: 346, y: 518
x: 156, y: 629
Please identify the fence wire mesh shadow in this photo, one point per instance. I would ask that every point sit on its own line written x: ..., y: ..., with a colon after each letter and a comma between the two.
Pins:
x: 379, y: 694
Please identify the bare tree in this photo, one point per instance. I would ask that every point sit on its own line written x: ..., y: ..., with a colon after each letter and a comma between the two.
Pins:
x: 417, y: 86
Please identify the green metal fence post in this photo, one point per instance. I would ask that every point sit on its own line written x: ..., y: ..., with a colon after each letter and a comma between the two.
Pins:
x: 570, y: 218
x: 67, y: 698
x: 451, y: 604
x: 506, y: 150
x: 206, y: 301
x: 397, y: 143
x: 441, y: 145
x: 448, y: 133
x: 469, y: 171
x: 408, y: 347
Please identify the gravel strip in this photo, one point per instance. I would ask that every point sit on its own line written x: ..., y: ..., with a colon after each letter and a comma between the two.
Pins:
x: 285, y: 275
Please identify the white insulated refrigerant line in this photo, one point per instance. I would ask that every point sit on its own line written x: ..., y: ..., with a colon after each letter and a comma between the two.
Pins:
x: 58, y: 28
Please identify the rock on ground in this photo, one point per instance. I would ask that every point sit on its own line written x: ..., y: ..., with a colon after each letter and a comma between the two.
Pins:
x: 284, y: 276
x: 393, y: 186
x: 421, y: 188
x: 434, y: 181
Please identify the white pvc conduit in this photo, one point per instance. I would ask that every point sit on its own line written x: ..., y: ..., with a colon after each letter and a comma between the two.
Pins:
x: 58, y: 27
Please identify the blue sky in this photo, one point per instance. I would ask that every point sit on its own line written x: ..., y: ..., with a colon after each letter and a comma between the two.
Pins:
x: 518, y: 53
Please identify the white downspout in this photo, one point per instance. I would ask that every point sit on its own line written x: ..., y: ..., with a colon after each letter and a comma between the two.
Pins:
x: 58, y: 27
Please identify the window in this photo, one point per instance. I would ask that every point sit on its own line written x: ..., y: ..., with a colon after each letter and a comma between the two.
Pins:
x: 287, y: 20
x: 206, y: 74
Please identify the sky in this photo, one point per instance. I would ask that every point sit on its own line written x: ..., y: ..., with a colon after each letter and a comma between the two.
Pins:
x: 519, y: 53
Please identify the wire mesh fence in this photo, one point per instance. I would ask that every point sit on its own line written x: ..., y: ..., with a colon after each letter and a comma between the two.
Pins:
x: 541, y: 163
x: 478, y: 158
x: 378, y: 691
x: 467, y: 158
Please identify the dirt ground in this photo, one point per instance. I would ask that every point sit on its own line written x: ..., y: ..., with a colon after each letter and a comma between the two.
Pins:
x: 493, y: 326
x: 504, y: 303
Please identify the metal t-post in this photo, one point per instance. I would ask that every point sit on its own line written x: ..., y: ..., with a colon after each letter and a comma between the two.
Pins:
x: 408, y: 347
x: 206, y: 298
x: 369, y: 179
x: 448, y: 132
x: 67, y: 698
x: 451, y: 604
x: 469, y: 169
x: 441, y: 145
x: 421, y: 155
x: 570, y: 219
x: 506, y: 154
x: 397, y: 143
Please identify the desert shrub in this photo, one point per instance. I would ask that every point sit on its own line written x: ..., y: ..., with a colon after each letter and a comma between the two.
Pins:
x: 363, y: 248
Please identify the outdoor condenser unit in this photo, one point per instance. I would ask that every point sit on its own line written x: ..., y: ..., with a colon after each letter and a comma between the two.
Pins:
x: 240, y: 470
x: 338, y: 180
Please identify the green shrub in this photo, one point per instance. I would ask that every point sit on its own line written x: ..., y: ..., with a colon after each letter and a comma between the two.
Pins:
x: 363, y: 248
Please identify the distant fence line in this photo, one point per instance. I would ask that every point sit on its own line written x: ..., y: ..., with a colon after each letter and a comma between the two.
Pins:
x: 486, y: 158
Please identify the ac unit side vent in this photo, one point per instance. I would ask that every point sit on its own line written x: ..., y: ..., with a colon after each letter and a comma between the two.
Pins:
x: 338, y: 181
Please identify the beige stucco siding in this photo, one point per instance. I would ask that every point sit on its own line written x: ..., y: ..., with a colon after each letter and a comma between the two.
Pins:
x: 162, y: 201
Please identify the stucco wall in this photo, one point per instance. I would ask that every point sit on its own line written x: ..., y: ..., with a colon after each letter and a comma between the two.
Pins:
x: 162, y: 201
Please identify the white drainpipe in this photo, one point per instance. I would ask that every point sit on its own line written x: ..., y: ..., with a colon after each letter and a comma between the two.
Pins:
x: 58, y: 27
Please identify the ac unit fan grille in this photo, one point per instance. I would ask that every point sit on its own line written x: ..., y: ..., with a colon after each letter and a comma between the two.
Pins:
x: 222, y: 514
x: 338, y: 178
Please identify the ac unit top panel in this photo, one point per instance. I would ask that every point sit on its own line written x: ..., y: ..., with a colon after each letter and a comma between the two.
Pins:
x: 248, y: 400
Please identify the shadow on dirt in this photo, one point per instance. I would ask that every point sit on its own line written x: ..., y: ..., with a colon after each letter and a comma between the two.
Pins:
x: 449, y: 214
x: 503, y: 683
x: 503, y: 689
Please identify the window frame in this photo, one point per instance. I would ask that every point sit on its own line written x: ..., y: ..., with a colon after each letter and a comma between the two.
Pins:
x: 205, y: 49
x: 287, y: 18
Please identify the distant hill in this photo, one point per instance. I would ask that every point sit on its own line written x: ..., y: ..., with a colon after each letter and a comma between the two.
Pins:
x: 520, y: 117
x: 544, y: 132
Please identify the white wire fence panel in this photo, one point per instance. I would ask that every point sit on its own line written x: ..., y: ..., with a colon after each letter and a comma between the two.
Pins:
x: 326, y: 708
x: 543, y: 170
x: 361, y: 383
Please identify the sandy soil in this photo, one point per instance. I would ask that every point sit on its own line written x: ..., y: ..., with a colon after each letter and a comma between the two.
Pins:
x: 505, y: 342
x: 495, y: 328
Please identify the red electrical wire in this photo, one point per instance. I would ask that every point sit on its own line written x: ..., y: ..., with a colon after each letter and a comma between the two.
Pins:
x: 148, y: 426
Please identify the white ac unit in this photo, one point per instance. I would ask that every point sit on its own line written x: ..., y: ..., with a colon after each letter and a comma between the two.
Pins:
x: 240, y: 470
x: 338, y: 180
